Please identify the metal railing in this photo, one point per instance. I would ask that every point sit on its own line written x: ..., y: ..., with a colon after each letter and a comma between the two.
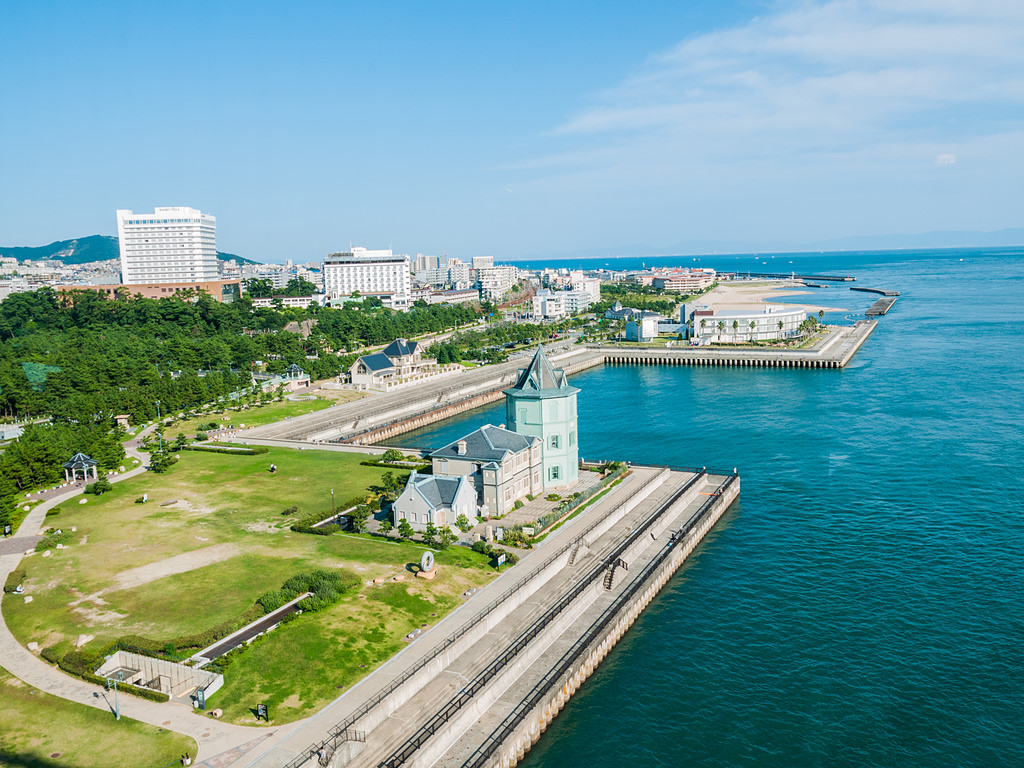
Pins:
x: 367, y: 706
x: 483, y: 678
x: 593, y: 637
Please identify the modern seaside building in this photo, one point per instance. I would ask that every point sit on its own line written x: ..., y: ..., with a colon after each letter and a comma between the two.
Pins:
x: 377, y: 273
x: 770, y: 323
x: 171, y: 245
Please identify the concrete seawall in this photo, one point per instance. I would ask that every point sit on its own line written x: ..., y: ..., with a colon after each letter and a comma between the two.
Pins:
x: 521, y: 731
x: 369, y: 421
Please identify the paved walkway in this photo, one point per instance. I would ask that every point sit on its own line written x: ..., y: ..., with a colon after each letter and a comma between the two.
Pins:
x: 220, y: 744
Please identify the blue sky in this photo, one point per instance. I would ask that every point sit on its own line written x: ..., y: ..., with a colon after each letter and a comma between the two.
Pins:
x: 512, y: 129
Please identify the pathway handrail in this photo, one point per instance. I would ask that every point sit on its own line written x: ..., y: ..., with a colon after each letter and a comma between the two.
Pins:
x: 376, y: 699
x: 582, y: 646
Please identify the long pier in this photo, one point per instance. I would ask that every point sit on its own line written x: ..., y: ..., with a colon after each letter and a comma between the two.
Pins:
x: 482, y: 686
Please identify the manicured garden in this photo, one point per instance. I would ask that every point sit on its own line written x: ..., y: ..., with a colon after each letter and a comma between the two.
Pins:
x: 209, y: 541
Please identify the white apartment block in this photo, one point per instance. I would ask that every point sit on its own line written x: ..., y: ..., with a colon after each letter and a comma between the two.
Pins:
x: 370, y: 272
x: 576, y: 301
x: 482, y: 262
x: 495, y: 282
x: 170, y: 245
x: 590, y: 285
x: 548, y: 304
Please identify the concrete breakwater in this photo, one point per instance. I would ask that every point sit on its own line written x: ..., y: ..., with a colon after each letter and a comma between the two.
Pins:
x: 526, y: 647
x: 368, y: 421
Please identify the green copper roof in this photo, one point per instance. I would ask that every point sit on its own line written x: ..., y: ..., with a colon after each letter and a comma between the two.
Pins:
x: 541, y: 379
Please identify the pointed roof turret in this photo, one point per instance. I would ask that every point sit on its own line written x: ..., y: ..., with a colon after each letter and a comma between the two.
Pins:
x: 541, y: 379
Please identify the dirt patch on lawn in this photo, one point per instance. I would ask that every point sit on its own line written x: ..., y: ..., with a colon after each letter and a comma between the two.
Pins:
x: 187, y: 561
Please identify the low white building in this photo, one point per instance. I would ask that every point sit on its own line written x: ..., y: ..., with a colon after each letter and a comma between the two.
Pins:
x: 548, y: 304
x: 735, y: 326
x: 642, y: 327
x: 435, y: 499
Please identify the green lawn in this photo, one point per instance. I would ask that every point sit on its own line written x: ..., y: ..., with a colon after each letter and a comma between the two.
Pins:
x: 167, y: 571
x: 251, y: 416
x: 43, y: 731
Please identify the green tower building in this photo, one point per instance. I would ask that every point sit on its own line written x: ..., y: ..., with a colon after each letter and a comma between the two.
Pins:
x: 542, y: 404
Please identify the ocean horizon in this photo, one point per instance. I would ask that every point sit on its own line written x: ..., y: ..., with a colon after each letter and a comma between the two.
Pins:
x: 861, y: 604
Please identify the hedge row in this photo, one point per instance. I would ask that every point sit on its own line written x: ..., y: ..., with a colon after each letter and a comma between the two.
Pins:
x: 255, y: 450
x: 396, y: 465
x: 327, y: 588
x: 305, y: 520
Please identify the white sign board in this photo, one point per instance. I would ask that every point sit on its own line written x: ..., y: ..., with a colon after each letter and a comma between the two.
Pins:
x: 501, y: 560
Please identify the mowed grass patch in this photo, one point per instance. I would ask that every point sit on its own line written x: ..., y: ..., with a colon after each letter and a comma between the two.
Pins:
x: 303, y: 665
x: 225, y: 500
x: 44, y: 731
x: 251, y: 416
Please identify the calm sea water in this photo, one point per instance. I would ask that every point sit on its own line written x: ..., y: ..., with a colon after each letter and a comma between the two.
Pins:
x: 863, y: 603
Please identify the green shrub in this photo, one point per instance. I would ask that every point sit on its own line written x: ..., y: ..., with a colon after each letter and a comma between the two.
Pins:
x: 518, y: 504
x: 323, y: 530
x: 52, y: 538
x: 14, y: 580
x: 52, y: 512
x: 553, y: 497
x: 140, y: 500
x: 51, y: 654
x: 254, y: 450
x: 202, y: 436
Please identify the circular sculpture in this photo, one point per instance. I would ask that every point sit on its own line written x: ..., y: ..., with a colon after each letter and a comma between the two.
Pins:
x: 427, y: 561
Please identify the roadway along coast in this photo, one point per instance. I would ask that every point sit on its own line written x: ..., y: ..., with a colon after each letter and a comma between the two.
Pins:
x: 372, y: 420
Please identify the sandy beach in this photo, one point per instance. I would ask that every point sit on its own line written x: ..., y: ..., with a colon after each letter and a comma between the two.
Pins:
x: 746, y: 296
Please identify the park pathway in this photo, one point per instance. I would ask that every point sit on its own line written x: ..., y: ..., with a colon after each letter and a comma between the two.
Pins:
x: 220, y: 744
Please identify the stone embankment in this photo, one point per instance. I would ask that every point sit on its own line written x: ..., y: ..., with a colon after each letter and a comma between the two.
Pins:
x: 477, y: 690
x: 370, y: 421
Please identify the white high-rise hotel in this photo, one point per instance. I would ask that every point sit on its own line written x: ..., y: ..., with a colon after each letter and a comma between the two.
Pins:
x: 170, y: 245
x: 371, y: 273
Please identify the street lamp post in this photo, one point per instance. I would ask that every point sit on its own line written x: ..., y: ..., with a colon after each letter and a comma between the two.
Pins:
x: 117, y: 705
x: 159, y: 427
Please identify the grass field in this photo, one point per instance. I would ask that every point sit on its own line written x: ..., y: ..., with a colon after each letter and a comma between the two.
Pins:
x: 43, y: 731
x: 166, y: 571
x: 251, y: 416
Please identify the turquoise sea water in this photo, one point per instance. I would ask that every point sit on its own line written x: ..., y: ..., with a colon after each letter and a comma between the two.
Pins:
x: 863, y: 603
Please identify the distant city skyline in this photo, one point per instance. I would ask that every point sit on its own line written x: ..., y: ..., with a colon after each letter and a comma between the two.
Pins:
x: 551, y: 128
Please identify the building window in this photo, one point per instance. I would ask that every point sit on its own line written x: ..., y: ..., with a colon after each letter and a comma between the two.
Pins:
x: 572, y: 438
x: 554, y: 473
x: 554, y: 441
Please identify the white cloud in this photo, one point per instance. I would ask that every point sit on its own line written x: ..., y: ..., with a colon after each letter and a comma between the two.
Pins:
x: 946, y: 159
x: 822, y: 86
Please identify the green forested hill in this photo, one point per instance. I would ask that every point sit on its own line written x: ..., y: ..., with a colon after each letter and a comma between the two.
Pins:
x: 84, y: 250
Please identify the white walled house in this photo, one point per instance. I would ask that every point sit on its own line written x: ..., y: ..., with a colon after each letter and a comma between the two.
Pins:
x: 505, y: 465
x: 435, y: 499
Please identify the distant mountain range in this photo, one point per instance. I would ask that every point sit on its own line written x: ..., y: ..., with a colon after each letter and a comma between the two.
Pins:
x: 85, y: 250
x: 951, y: 239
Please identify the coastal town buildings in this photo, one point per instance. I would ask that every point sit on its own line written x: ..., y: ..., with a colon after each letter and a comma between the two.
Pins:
x: 170, y: 245
x: 548, y: 304
x: 366, y: 272
x: 642, y: 326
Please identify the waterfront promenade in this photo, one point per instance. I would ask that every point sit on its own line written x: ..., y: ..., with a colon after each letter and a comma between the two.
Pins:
x: 489, y: 677
x: 378, y: 418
